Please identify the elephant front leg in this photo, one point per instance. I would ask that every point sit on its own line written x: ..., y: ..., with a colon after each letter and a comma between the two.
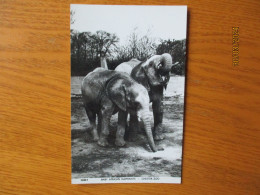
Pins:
x: 133, y: 128
x: 158, y: 118
x: 121, y: 128
x: 106, y: 113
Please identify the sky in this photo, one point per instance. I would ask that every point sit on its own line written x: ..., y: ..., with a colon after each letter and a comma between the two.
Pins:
x: 164, y: 22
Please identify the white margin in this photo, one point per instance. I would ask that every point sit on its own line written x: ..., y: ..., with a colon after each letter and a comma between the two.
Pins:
x: 173, y: 180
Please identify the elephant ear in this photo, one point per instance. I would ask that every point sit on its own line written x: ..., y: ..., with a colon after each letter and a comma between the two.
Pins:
x: 116, y: 92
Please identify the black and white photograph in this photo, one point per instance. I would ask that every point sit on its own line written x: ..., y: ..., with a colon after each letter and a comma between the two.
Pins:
x: 128, y: 67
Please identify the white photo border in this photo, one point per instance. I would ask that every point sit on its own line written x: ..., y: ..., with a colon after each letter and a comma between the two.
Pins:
x: 104, y: 180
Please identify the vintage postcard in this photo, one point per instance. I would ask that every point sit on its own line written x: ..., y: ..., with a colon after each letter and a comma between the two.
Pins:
x: 127, y: 93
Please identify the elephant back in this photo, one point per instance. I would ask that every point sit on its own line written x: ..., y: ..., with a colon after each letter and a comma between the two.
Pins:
x: 127, y: 67
x: 93, y: 85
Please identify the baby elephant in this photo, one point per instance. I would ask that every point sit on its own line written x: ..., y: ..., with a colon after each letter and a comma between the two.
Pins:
x: 106, y: 92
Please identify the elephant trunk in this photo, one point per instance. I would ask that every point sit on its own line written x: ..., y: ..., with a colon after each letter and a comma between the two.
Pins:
x: 148, y: 130
x: 166, y: 60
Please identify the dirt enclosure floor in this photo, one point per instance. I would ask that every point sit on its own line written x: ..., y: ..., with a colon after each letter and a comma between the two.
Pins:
x: 135, y: 159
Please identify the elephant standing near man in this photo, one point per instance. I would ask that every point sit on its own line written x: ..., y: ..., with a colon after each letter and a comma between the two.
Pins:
x: 154, y: 75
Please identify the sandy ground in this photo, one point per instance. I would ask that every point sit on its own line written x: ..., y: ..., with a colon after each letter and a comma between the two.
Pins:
x: 135, y: 159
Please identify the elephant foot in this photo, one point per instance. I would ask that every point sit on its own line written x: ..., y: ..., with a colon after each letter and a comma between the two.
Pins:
x: 158, y: 133
x: 102, y: 142
x: 120, y: 142
x: 95, y: 136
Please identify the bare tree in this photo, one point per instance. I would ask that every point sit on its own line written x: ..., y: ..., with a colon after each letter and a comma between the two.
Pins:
x: 146, y: 46
x: 87, y: 47
x: 133, y: 43
x: 104, y: 42
x: 138, y: 46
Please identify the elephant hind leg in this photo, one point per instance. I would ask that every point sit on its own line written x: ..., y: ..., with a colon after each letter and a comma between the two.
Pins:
x: 99, y: 122
x: 105, y: 114
x: 92, y: 119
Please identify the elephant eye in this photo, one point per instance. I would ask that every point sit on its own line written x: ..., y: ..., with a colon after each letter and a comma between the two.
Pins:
x: 159, y: 65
